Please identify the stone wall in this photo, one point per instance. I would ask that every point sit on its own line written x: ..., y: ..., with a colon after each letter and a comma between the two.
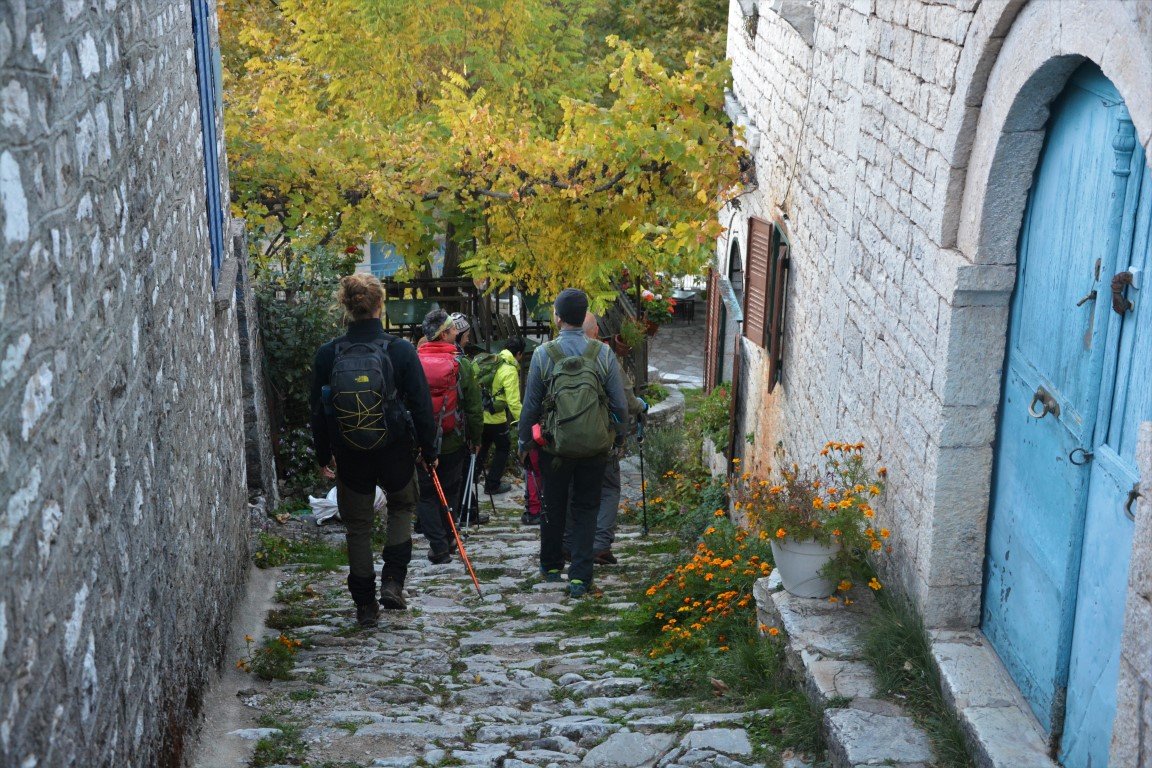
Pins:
x: 886, y: 153
x: 123, y: 535
x: 1132, y: 734
x: 845, y: 166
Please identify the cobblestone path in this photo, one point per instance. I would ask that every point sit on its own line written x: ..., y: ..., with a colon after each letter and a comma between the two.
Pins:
x: 524, y: 676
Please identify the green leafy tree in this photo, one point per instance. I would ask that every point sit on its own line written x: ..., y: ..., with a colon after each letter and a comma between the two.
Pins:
x: 546, y: 155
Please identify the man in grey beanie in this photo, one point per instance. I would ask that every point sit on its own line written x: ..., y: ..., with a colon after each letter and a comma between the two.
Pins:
x: 571, y: 485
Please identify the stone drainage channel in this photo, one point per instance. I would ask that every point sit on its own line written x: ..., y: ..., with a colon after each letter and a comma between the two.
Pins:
x: 463, y: 680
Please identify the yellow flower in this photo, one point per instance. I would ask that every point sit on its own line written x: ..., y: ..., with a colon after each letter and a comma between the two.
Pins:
x: 719, y: 513
x: 724, y: 648
x: 868, y: 512
x: 875, y: 584
x: 884, y: 533
x: 844, y: 585
x: 781, y: 533
x: 876, y: 544
x: 874, y: 490
x: 818, y: 503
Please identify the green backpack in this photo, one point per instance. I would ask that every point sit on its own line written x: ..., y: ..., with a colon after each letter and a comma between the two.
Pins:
x: 487, y: 363
x: 576, y: 423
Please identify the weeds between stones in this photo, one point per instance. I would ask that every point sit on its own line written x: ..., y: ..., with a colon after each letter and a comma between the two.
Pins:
x: 899, y: 650
x: 275, y: 551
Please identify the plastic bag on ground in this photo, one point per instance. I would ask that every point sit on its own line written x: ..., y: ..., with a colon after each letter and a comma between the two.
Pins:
x: 324, y: 508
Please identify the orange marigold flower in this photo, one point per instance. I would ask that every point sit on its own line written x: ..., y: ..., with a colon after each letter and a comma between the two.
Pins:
x: 836, y: 532
x: 719, y: 512
x: 875, y: 584
x: 773, y: 631
x: 724, y: 648
x: 868, y: 512
x: 708, y: 577
x: 883, y: 471
x: 876, y: 544
x: 844, y: 585
x: 885, y: 533
x: 818, y: 503
x: 874, y: 490
x: 781, y: 533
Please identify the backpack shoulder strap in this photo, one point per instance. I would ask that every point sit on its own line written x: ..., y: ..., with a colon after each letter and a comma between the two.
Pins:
x: 592, y: 351
x: 554, y: 351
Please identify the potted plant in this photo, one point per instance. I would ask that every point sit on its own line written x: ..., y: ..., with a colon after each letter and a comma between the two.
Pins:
x: 631, y: 336
x: 820, y: 521
x: 656, y: 309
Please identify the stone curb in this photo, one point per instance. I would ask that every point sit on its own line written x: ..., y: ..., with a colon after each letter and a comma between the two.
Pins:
x: 668, y: 411
x: 823, y: 649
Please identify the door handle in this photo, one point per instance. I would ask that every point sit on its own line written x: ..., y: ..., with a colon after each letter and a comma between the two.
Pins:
x: 1047, y: 402
x: 1132, y: 496
x: 1120, y: 303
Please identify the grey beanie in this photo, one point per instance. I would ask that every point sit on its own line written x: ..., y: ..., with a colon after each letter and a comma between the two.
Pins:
x: 572, y: 305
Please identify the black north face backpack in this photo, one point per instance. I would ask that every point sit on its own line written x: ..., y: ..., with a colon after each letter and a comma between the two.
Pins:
x: 364, y: 404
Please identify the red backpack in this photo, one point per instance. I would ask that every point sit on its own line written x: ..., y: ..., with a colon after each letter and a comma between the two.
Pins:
x: 442, y: 370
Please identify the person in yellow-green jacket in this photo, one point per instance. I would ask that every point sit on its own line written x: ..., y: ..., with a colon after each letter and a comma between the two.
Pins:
x: 500, y: 391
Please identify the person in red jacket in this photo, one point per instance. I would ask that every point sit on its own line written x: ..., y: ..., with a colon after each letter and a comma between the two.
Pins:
x: 457, y: 413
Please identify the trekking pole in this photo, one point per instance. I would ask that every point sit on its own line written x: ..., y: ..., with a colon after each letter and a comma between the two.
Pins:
x: 469, y: 493
x: 455, y: 530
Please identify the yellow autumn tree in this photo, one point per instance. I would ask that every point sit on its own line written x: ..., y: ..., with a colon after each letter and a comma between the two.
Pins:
x: 497, y: 123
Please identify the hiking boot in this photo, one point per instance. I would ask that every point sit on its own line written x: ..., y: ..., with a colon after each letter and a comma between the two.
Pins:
x: 392, y: 596
x: 367, y: 614
x: 553, y: 576
x: 439, y: 558
x: 577, y: 588
x: 528, y: 519
x: 502, y: 488
x: 604, y: 558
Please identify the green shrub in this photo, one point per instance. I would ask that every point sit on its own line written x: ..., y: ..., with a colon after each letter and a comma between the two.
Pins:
x: 664, y: 450
x: 708, y: 416
x: 274, y: 659
x: 654, y: 393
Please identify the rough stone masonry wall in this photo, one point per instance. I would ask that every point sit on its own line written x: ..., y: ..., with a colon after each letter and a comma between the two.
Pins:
x: 849, y: 156
x: 1132, y: 734
x: 122, y: 528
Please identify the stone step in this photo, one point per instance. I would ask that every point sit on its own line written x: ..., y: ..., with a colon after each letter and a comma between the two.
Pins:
x: 823, y: 646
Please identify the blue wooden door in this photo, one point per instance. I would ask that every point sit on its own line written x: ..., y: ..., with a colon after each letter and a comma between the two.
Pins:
x: 1060, y: 380
x: 1126, y: 400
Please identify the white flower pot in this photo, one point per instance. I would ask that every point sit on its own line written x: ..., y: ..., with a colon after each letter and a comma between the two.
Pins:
x: 800, y: 563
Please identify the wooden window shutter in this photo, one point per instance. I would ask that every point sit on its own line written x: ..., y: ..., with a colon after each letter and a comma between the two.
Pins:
x: 776, y: 313
x: 756, y: 283
x: 712, y: 334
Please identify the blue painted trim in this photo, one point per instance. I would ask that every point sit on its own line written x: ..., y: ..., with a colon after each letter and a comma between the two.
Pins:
x: 208, y: 80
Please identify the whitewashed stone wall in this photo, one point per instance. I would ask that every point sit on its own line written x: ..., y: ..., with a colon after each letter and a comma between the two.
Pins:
x: 123, y: 528
x: 896, y: 156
